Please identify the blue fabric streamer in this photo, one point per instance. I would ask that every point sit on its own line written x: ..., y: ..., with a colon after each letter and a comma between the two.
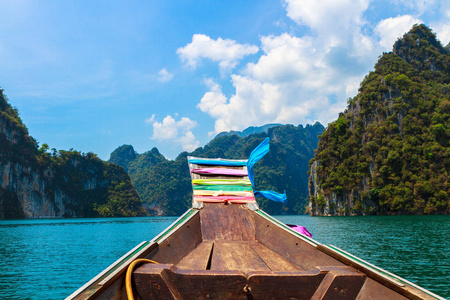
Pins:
x: 271, y: 195
x: 255, y: 156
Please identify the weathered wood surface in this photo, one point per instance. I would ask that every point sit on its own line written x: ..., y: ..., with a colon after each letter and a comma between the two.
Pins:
x: 169, y: 282
x: 284, y: 285
x: 373, y: 290
x: 298, y: 252
x: 273, y: 260
x: 198, y: 258
x: 228, y: 252
x: 230, y: 222
x: 339, y: 283
x: 152, y: 282
x: 236, y: 255
x: 256, y: 260
x: 209, y: 284
x: 176, y: 246
x: 114, y: 291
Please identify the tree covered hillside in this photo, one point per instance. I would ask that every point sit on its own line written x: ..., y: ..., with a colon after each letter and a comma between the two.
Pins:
x: 388, y: 152
x: 165, y: 185
x: 39, y: 182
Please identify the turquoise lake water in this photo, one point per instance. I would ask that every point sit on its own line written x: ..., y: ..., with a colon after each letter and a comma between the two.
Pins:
x: 51, y: 258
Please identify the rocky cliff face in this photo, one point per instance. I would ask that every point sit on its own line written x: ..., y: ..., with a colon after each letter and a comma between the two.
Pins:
x: 28, y: 193
x: 388, y: 152
x: 37, y: 184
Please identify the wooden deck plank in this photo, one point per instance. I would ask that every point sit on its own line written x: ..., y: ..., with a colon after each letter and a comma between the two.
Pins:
x: 273, y: 260
x: 232, y: 222
x: 236, y: 255
x: 198, y: 258
x: 291, y: 247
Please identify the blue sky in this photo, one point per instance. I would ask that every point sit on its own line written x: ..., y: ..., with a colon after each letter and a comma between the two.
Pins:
x: 94, y: 75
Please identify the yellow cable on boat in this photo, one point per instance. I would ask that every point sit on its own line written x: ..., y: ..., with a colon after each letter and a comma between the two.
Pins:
x: 130, y: 269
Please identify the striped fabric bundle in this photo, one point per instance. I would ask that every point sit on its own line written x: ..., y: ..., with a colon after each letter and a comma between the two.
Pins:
x: 242, y: 182
x: 220, y: 171
x: 218, y: 162
x: 212, y: 189
x: 222, y: 193
x: 225, y: 188
x: 225, y: 199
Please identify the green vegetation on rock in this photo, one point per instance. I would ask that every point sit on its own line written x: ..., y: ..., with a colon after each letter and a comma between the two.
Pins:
x: 39, y: 182
x: 388, y: 152
x: 165, y: 185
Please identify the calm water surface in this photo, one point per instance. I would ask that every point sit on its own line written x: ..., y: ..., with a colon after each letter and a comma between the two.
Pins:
x: 49, y: 259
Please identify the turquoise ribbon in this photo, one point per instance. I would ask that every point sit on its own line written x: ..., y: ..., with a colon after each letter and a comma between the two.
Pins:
x: 258, y: 153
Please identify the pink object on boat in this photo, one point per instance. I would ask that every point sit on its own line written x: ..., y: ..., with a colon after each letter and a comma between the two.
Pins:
x: 230, y: 199
x: 220, y: 171
x: 300, y: 229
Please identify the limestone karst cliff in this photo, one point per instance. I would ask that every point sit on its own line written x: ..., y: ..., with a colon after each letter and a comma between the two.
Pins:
x: 388, y: 152
x: 39, y: 183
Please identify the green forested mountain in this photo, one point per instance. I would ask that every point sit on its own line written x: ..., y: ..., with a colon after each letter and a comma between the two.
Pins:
x: 249, y: 130
x: 388, y: 152
x: 165, y: 185
x: 38, y: 182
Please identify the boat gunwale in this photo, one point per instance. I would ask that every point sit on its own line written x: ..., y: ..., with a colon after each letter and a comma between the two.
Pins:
x: 304, y: 238
x: 379, y: 272
x: 112, y: 270
x: 189, y: 214
x: 105, y: 271
x: 343, y: 255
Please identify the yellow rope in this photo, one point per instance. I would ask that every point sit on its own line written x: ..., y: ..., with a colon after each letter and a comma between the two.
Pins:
x: 130, y: 269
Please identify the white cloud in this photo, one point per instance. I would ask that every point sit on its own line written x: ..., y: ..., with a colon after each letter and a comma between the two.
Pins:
x: 293, y: 82
x: 176, y: 131
x: 442, y: 31
x: 317, y: 14
x: 164, y: 75
x: 336, y: 26
x: 389, y: 30
x: 441, y: 26
x: 188, y: 141
x: 334, y: 21
x: 226, y: 52
x: 150, y: 120
x: 303, y: 79
x: 253, y: 104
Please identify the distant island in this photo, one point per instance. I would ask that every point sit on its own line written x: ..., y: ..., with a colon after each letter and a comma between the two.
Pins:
x: 388, y: 152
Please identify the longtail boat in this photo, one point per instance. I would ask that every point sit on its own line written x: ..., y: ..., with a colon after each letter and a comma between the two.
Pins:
x: 225, y: 247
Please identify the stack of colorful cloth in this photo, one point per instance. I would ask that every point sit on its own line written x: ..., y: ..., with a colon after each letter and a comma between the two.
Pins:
x: 220, y: 180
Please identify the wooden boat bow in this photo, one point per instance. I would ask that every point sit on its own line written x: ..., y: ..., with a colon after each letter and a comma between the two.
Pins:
x: 230, y: 249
